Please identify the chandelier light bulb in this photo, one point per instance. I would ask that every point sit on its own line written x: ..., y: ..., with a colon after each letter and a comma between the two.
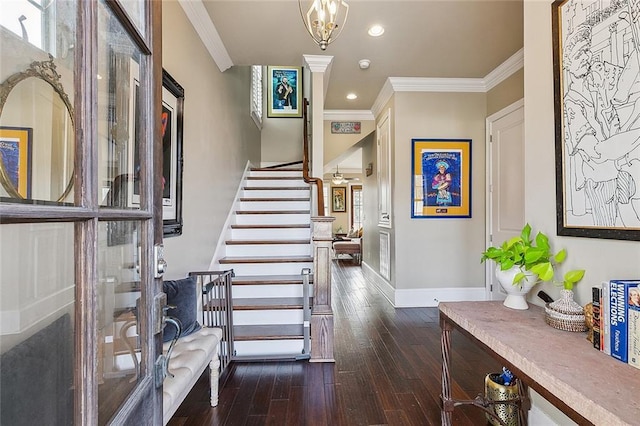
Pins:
x: 324, y: 19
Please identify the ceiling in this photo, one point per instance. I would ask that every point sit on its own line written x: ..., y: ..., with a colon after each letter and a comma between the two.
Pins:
x: 423, y: 38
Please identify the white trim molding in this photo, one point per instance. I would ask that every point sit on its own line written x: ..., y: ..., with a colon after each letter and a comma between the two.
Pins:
x: 463, y: 85
x: 421, y: 297
x: 422, y: 84
x: 348, y: 114
x: 505, y: 70
x: 199, y: 17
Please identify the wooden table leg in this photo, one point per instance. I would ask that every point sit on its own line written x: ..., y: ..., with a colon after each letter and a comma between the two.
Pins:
x: 446, y: 412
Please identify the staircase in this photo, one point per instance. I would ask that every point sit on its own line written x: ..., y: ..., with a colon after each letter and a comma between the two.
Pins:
x: 269, y: 247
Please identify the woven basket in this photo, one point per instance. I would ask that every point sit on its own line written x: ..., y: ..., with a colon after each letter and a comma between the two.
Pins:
x: 565, y: 313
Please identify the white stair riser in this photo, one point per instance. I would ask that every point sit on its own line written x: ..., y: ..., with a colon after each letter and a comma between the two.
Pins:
x: 268, y: 249
x: 276, y: 193
x: 267, y: 268
x: 273, y: 205
x: 274, y: 316
x: 279, y: 173
x: 276, y: 290
x: 268, y: 347
x: 275, y: 182
x: 273, y: 219
x: 271, y: 234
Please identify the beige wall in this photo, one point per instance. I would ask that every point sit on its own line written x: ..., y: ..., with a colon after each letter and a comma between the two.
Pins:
x: 337, y: 144
x: 219, y: 139
x: 281, y: 140
x: 436, y: 253
x: 506, y: 93
x: 602, y: 259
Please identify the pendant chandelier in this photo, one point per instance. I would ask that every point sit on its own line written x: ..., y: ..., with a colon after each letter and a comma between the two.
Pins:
x: 324, y: 20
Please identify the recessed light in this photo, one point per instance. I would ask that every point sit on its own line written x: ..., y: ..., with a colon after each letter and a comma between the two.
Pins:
x: 352, y: 96
x: 376, y: 31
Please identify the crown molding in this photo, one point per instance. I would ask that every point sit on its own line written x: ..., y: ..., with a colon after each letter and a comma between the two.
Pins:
x: 383, y: 97
x: 505, y: 70
x: 317, y: 63
x: 348, y: 114
x: 199, y: 17
x: 422, y: 84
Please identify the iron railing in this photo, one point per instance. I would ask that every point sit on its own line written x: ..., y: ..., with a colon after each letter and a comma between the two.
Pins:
x: 217, y: 308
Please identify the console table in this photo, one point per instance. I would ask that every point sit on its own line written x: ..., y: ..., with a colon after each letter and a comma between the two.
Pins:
x: 587, y: 385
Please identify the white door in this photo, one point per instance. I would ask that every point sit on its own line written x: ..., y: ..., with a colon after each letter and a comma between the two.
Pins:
x: 505, y: 169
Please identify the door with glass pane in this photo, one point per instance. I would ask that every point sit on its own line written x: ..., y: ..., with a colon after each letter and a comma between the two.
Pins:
x: 79, y: 84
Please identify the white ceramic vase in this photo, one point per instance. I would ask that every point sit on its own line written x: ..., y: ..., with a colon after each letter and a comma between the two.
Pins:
x: 516, y: 294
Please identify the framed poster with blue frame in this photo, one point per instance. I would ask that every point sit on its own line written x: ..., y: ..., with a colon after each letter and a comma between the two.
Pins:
x: 284, y: 92
x: 441, y: 178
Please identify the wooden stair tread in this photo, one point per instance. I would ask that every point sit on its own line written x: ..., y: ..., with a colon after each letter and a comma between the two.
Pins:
x: 274, y: 177
x: 268, y: 279
x: 266, y: 259
x: 268, y: 332
x: 241, y: 242
x: 267, y: 303
x: 276, y: 188
x: 274, y: 169
x: 273, y: 211
x: 248, y: 199
x: 272, y: 226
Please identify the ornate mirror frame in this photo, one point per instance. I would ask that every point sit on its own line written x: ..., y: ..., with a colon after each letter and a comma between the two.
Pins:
x: 47, y: 72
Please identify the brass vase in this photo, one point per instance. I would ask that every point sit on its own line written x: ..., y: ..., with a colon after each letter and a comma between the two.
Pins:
x: 494, y: 391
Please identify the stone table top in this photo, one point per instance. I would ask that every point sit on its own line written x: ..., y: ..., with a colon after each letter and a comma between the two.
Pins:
x: 600, y: 388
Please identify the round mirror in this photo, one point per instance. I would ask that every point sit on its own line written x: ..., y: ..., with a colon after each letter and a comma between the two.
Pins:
x: 36, y: 135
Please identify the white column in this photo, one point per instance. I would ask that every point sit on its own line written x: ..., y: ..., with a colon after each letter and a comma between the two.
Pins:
x: 319, y: 66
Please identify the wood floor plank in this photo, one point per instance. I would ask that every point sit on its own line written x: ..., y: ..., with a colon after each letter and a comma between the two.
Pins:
x: 387, y: 372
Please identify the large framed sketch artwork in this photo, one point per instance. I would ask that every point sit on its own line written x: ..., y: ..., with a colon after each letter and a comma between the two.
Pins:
x: 441, y: 178
x: 597, y: 118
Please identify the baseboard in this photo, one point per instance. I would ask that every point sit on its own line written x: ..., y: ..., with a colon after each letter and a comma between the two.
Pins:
x: 422, y: 297
x: 219, y: 253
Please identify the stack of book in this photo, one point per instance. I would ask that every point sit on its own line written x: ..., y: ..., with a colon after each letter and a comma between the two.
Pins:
x: 616, y: 320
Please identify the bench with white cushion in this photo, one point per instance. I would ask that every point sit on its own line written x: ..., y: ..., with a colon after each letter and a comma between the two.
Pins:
x: 190, y: 357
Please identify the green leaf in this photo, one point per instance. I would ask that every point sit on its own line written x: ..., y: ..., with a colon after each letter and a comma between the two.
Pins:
x: 512, y: 242
x: 544, y: 271
x: 533, y: 255
x: 542, y: 241
x: 561, y: 256
x: 519, y: 277
x: 506, y: 264
x: 574, y: 276
x: 526, y: 232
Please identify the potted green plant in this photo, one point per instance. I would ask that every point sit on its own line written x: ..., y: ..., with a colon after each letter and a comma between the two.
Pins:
x: 527, y: 262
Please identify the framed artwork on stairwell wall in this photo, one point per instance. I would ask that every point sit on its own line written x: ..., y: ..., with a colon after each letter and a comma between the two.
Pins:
x: 597, y: 118
x: 284, y: 92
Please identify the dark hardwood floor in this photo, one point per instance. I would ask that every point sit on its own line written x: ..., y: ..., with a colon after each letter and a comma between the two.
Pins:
x: 387, y: 372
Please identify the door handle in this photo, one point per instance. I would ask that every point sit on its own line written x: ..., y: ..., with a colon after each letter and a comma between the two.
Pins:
x: 158, y: 260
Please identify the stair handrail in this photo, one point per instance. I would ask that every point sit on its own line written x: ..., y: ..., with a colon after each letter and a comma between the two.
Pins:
x: 305, y: 159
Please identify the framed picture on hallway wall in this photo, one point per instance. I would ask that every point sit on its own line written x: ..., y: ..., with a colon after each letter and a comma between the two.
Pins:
x: 597, y: 118
x: 441, y: 178
x: 284, y: 91
x: 338, y: 199
x: 171, y: 121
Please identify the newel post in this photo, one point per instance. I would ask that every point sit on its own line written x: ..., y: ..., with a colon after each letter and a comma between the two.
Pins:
x: 322, y: 314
